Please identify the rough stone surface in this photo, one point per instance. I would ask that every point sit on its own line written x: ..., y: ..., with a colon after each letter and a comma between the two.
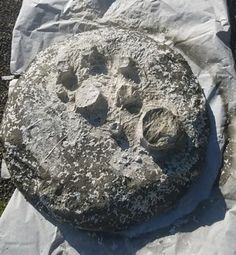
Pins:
x: 80, y: 157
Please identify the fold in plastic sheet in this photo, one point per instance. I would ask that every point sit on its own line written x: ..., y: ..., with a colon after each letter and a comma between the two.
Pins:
x: 200, y: 30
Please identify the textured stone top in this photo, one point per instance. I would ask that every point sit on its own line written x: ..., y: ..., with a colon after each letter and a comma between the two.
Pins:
x: 106, y: 129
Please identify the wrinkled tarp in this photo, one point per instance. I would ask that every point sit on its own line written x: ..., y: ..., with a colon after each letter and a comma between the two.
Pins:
x: 200, y: 31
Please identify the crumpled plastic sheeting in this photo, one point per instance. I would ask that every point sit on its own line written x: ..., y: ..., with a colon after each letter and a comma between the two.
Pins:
x: 200, y: 30
x: 25, y: 231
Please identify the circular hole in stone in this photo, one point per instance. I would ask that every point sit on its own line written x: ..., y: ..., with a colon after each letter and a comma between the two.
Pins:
x: 128, y: 97
x: 161, y: 130
x: 128, y: 68
x: 68, y: 79
x: 95, y: 61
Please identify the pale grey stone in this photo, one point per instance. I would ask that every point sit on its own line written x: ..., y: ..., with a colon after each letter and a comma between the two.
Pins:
x: 106, y: 129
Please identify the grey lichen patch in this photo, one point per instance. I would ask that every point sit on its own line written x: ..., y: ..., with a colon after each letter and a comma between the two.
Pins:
x: 86, y: 126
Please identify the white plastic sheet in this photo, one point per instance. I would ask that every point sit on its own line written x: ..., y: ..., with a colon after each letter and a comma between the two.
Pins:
x: 200, y: 30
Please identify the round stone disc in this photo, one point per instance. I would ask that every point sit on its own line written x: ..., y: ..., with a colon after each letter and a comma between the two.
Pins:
x: 106, y: 129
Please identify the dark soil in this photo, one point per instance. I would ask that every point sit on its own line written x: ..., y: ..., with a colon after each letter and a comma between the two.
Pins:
x: 9, y: 10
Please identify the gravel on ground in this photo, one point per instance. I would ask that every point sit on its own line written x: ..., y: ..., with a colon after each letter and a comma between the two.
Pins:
x: 9, y: 10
